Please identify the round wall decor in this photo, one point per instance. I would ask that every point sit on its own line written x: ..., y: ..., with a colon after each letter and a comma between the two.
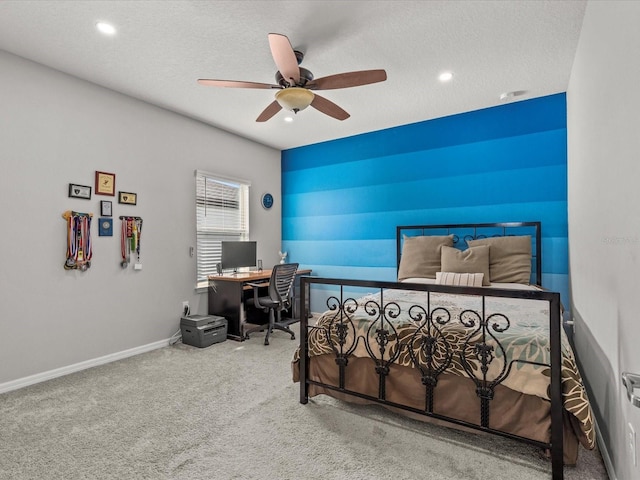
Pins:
x: 267, y: 201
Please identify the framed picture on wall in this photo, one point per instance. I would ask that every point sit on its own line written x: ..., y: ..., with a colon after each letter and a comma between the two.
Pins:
x: 105, y: 227
x: 127, y: 198
x: 79, y: 191
x: 105, y: 208
x: 105, y: 183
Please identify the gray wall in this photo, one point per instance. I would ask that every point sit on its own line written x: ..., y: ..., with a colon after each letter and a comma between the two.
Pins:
x: 603, y: 126
x: 56, y: 130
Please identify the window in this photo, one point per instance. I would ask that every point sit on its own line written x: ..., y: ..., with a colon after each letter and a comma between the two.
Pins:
x: 222, y: 213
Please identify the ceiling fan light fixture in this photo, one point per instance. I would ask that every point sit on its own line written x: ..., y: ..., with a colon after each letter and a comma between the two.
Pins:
x: 294, y: 98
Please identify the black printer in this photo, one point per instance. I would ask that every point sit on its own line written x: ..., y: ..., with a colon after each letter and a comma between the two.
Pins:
x: 203, y: 330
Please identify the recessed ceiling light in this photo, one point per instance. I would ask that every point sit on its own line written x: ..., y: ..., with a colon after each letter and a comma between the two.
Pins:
x: 445, y: 76
x: 288, y: 119
x: 106, y: 28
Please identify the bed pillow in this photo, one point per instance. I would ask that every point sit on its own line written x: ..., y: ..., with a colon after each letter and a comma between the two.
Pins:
x: 471, y: 260
x: 509, y: 258
x: 460, y: 279
x: 427, y: 281
x: 421, y: 256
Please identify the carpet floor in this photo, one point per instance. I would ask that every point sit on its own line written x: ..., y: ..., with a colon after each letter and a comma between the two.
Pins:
x: 231, y: 411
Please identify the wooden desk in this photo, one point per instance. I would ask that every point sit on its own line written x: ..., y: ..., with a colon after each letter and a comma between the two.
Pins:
x: 228, y: 295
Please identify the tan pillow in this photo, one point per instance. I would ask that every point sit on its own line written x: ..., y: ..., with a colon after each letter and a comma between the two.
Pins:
x: 421, y: 256
x: 471, y: 260
x: 509, y: 258
x: 459, y: 279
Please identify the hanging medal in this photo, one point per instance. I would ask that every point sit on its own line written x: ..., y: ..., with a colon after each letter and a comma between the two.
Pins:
x: 138, y: 229
x: 124, y: 246
x: 130, y: 233
x: 83, y: 236
x: 71, y: 244
x: 85, y: 240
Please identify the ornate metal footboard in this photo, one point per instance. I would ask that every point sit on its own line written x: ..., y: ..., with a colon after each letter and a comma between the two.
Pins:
x: 388, y: 331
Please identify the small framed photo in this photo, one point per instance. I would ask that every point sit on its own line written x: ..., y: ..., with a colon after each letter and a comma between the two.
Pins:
x: 80, y: 191
x: 105, y: 208
x: 105, y: 183
x: 105, y: 227
x: 128, y: 198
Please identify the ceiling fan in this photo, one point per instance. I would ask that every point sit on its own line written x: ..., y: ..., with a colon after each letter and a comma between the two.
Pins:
x: 295, y: 83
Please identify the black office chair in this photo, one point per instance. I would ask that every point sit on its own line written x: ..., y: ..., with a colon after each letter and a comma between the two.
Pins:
x: 279, y: 299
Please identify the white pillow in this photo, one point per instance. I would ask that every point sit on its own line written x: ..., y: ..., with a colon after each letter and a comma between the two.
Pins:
x: 459, y: 279
x: 429, y: 281
x: 516, y: 286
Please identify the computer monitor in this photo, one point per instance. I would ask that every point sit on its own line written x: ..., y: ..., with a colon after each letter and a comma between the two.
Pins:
x: 238, y: 254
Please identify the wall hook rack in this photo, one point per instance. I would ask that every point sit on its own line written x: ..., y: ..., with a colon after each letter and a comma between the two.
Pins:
x: 79, y: 251
x: 70, y: 213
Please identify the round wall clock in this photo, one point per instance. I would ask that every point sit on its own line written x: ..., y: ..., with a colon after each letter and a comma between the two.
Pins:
x: 267, y: 201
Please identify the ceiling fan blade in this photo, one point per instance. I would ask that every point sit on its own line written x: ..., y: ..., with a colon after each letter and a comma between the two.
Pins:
x: 284, y: 57
x: 329, y: 108
x: 349, y: 79
x: 273, y: 108
x: 234, y: 84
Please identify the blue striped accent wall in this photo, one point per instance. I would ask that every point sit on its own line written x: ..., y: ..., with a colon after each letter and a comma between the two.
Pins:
x: 341, y: 200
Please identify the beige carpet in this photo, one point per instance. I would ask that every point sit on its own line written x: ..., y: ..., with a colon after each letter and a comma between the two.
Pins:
x: 230, y: 411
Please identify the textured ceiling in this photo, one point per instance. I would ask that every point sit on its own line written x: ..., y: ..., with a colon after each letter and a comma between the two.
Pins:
x: 162, y: 47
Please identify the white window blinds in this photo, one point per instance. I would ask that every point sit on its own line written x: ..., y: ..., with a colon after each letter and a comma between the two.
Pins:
x: 222, y: 213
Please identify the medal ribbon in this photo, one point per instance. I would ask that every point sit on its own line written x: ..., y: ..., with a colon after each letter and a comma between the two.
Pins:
x: 139, y: 225
x: 134, y: 235
x: 123, y: 240
x: 86, y: 237
x: 71, y: 236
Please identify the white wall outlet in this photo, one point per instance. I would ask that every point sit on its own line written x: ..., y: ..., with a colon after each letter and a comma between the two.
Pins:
x: 185, y: 306
x: 631, y: 443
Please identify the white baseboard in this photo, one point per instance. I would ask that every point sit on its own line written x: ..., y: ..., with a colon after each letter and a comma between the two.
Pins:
x: 59, y: 372
x: 604, y: 452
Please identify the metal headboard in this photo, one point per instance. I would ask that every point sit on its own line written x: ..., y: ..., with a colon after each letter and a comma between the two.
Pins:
x: 471, y: 231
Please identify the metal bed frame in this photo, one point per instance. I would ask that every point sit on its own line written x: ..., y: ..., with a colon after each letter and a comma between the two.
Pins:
x: 478, y: 323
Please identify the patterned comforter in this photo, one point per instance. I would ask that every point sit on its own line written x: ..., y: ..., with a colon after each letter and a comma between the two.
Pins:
x: 389, y: 327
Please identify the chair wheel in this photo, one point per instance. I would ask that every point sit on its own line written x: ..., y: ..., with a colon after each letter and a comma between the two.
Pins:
x: 266, y: 342
x: 293, y: 337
